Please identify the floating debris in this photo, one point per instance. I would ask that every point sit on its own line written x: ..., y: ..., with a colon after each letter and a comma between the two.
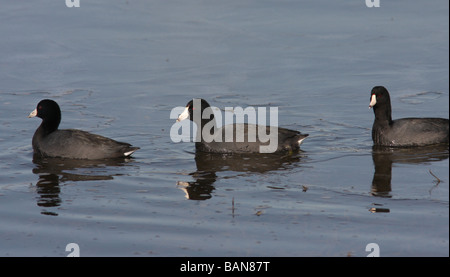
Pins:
x: 273, y: 187
x: 438, y: 180
x: 379, y: 210
x: 232, y: 207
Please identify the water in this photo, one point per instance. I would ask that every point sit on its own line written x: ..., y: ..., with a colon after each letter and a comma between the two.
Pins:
x: 118, y: 69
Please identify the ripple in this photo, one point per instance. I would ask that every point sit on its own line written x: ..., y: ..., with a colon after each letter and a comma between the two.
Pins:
x: 420, y: 97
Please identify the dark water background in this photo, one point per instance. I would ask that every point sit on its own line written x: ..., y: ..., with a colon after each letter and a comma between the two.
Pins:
x: 117, y: 68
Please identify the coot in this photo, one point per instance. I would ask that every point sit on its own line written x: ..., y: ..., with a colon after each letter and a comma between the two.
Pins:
x: 238, y: 137
x: 404, y: 132
x: 48, y: 141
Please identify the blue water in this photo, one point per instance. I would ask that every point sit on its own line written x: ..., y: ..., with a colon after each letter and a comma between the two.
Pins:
x: 117, y: 68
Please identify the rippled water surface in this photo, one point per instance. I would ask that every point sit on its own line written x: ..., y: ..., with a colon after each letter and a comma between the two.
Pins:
x: 118, y: 68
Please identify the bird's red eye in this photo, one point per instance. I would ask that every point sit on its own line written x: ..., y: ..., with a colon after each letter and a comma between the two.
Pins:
x: 40, y: 107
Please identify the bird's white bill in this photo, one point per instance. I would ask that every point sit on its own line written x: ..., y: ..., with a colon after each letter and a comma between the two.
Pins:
x: 33, y: 113
x: 373, y: 101
x: 183, y: 115
x: 301, y: 140
x: 126, y: 154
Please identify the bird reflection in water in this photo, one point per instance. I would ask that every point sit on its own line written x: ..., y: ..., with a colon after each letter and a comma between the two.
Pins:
x: 208, y: 164
x: 55, y: 171
x: 384, y: 157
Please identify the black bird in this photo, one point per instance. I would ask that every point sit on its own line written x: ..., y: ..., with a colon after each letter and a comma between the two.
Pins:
x: 49, y: 141
x: 218, y: 140
x: 404, y: 132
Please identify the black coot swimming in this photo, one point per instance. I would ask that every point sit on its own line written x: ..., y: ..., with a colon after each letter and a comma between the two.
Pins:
x: 238, y: 137
x: 48, y: 141
x: 404, y: 132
